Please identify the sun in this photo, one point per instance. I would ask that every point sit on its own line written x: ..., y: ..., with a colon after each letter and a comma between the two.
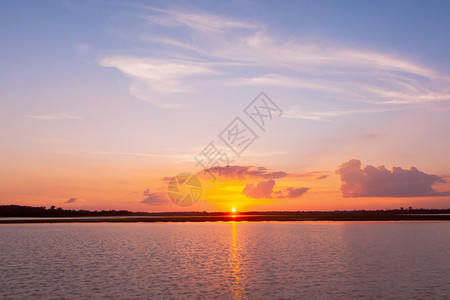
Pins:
x: 233, y: 209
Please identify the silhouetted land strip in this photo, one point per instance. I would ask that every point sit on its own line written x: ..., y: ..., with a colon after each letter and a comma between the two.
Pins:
x: 53, y: 215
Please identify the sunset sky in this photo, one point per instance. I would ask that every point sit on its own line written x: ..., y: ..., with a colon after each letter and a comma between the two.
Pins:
x: 102, y: 102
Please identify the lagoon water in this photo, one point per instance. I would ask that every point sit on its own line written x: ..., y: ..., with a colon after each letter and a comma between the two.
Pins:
x: 266, y: 260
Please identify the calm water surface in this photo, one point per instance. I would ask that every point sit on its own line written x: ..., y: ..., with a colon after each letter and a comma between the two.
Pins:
x: 267, y: 260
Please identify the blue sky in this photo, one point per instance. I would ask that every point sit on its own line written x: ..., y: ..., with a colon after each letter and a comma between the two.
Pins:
x: 130, y: 91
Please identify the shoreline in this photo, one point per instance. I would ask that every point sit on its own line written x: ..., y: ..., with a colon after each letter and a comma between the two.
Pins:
x: 230, y: 218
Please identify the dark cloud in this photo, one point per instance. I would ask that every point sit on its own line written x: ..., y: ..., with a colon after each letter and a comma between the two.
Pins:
x: 71, y: 200
x: 264, y: 190
x: 166, y: 179
x: 156, y: 198
x: 310, y: 175
x: 242, y: 173
x: 296, y: 192
x: 380, y: 182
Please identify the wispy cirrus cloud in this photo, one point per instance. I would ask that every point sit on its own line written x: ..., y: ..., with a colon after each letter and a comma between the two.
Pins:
x: 57, y: 116
x: 204, y: 44
x: 283, y: 81
x: 178, y: 157
x: 199, y: 21
x: 48, y: 140
x: 81, y: 48
x: 296, y: 113
x: 153, y: 76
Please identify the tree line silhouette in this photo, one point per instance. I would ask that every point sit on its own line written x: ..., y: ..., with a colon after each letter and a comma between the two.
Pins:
x: 32, y: 211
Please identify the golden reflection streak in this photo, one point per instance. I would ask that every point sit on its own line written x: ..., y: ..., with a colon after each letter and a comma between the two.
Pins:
x: 235, y: 264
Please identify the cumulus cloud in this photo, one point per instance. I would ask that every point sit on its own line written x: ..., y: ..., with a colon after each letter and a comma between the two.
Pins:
x: 381, y: 182
x: 71, y: 200
x: 264, y: 190
x: 156, y: 198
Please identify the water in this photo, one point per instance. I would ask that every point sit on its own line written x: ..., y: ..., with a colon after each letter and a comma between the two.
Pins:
x: 267, y: 260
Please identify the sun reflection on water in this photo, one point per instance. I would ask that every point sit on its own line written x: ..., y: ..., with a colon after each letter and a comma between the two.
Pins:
x: 235, y: 264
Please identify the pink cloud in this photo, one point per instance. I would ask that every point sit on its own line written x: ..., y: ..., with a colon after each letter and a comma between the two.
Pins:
x: 381, y: 182
x: 264, y: 190
x: 156, y: 198
x: 243, y: 172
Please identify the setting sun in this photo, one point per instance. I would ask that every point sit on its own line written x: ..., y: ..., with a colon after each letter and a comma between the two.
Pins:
x: 233, y: 209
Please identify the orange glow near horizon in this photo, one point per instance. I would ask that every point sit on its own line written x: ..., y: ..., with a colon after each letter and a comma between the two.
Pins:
x: 124, y: 190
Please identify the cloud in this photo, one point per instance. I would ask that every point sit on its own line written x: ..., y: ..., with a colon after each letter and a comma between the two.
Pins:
x: 57, y: 116
x: 295, y: 192
x: 295, y: 112
x: 242, y: 173
x: 280, y: 80
x: 225, y: 46
x: 179, y: 157
x: 312, y: 175
x: 380, y: 182
x: 71, y: 200
x: 238, y: 172
x: 48, y: 140
x: 81, y: 49
x: 198, y: 21
x: 156, y: 198
x: 264, y: 190
x: 152, y: 76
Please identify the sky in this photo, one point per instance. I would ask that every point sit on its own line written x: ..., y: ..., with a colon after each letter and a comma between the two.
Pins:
x: 292, y: 105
